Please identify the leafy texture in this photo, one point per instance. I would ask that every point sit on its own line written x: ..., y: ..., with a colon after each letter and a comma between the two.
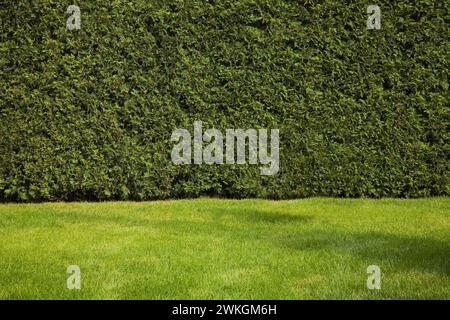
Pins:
x: 87, y: 114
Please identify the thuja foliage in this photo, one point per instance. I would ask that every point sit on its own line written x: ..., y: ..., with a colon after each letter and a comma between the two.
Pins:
x: 88, y: 114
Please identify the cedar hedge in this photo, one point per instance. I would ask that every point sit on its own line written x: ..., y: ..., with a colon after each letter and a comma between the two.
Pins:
x: 88, y: 114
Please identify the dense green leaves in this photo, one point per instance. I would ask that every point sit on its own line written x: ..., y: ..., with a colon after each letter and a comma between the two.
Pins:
x: 87, y: 114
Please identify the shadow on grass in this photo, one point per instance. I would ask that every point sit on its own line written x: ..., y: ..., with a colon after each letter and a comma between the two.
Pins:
x: 252, y: 215
x: 405, y: 253
x: 246, y: 215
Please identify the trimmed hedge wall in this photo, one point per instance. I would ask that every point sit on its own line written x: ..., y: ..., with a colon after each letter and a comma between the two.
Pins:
x: 88, y: 114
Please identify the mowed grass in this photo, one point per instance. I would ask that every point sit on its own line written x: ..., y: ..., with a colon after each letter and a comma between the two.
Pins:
x: 227, y: 249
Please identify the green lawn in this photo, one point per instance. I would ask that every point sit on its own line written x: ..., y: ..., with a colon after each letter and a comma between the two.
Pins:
x: 227, y: 249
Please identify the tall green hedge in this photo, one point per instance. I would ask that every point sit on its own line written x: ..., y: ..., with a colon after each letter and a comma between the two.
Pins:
x: 88, y: 114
